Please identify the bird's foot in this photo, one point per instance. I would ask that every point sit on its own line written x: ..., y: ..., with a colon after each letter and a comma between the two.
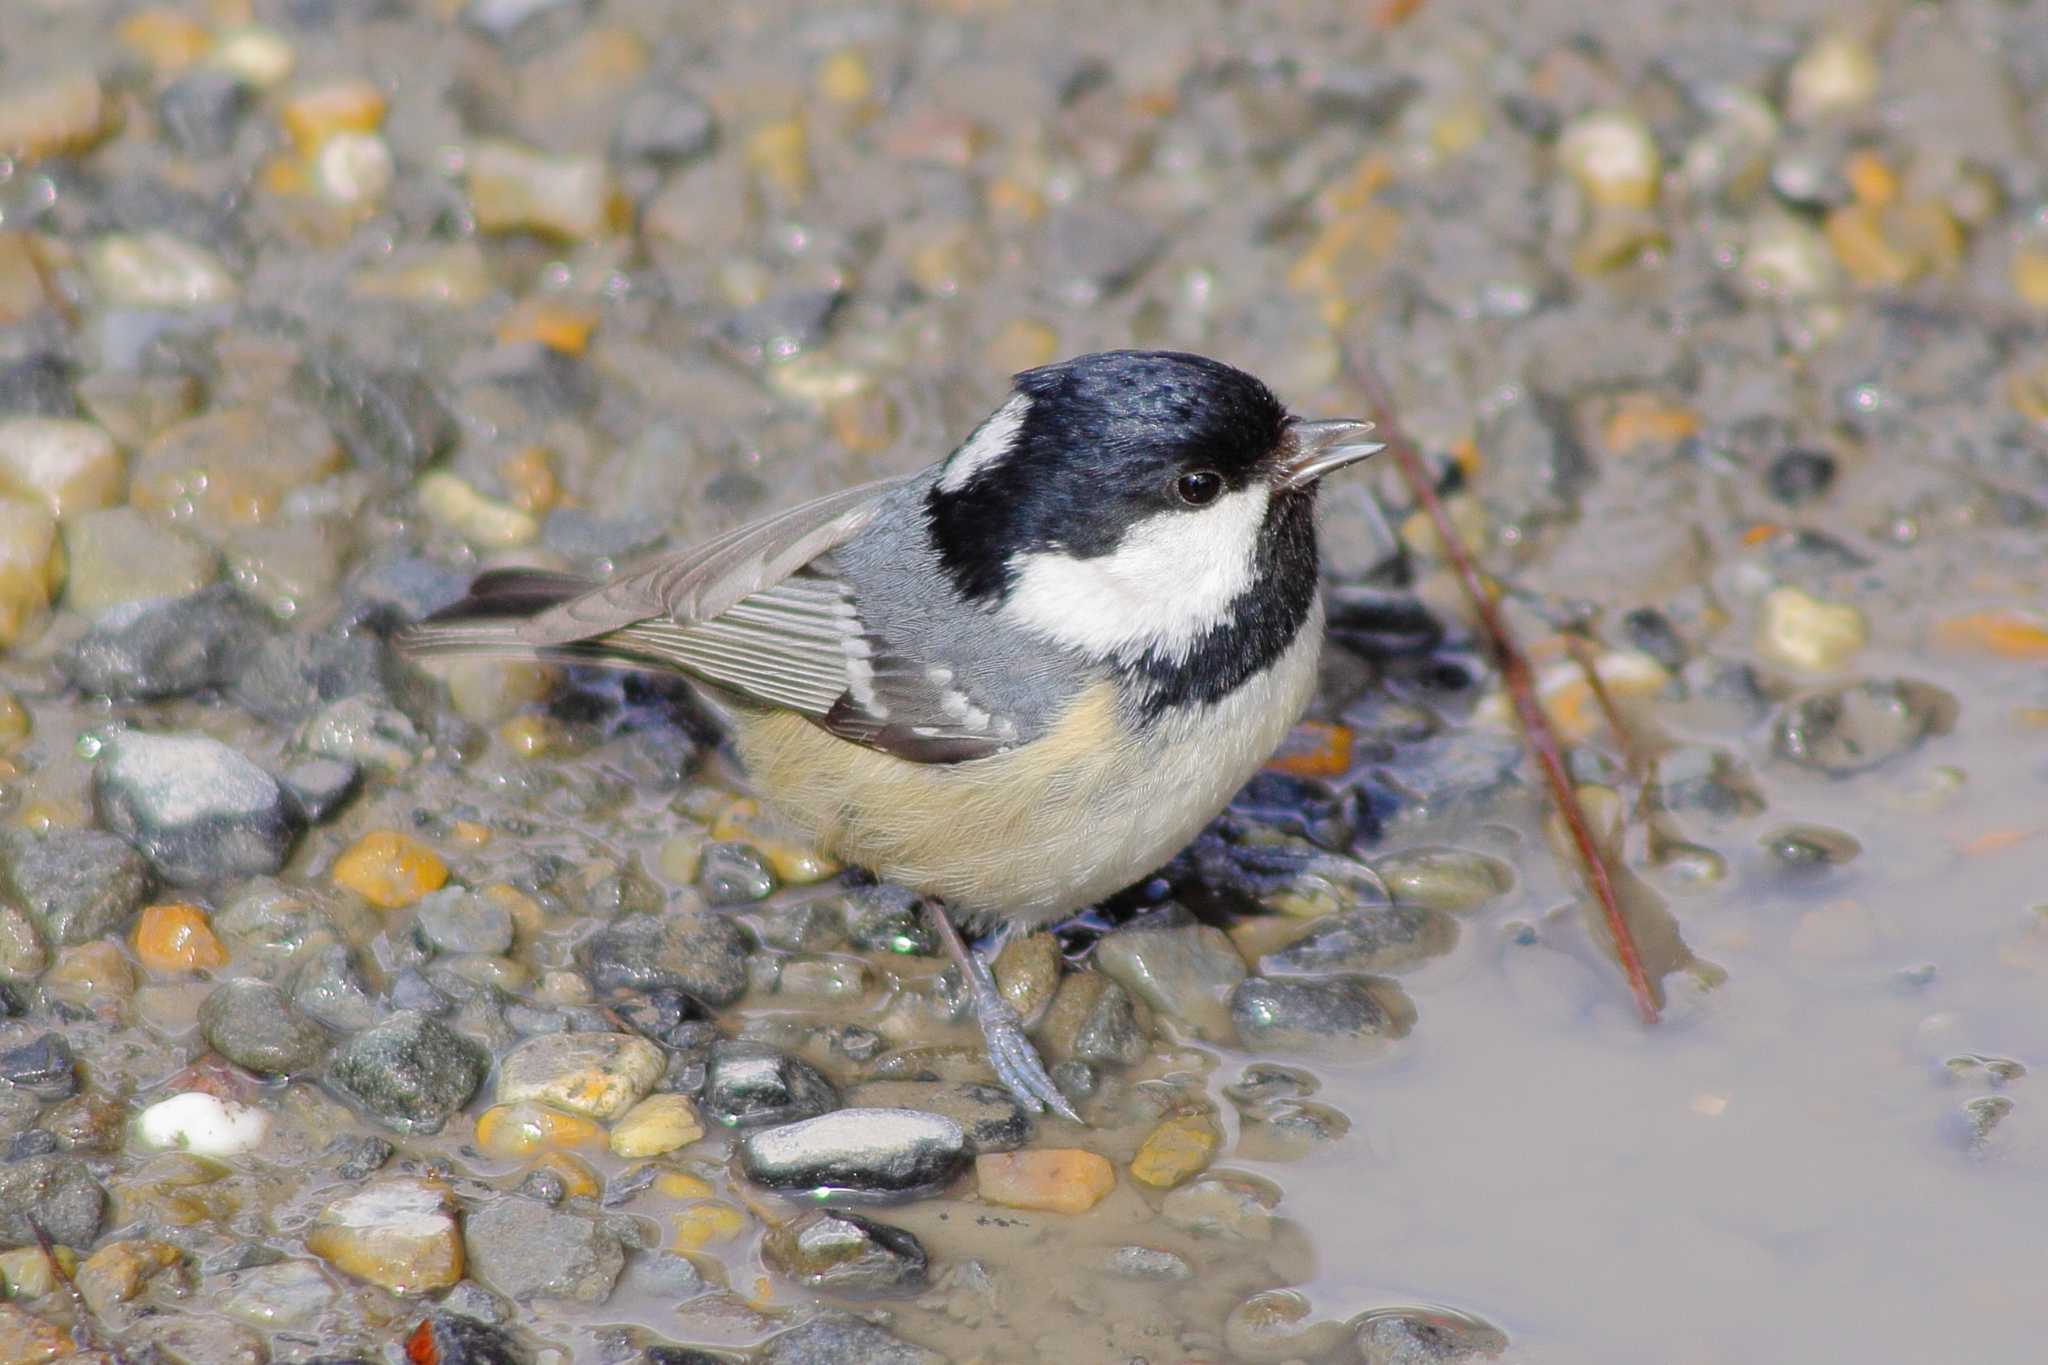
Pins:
x: 1010, y: 1053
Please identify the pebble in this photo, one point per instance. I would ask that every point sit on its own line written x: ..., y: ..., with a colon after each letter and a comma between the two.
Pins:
x: 990, y: 1116
x: 410, y: 1072
x: 525, y: 1250
x: 74, y: 885
x: 117, y: 1272
x: 517, y: 189
x: 235, y: 466
x: 1050, y: 1179
x: 118, y: 554
x: 1424, y: 1336
x: 162, y: 647
x: 838, y: 1338
x: 314, y: 115
x: 176, y: 938
x: 1612, y: 156
x: 1806, y: 633
x: 1799, y: 476
x: 708, y: 1221
x: 283, y: 1295
x: 1379, y: 938
x: 40, y: 383
x: 203, y: 1124
x: 1851, y: 729
x: 44, y: 1068
x: 56, y: 1192
x: 56, y: 116
x: 29, y: 1274
x: 483, y: 522
x: 458, y: 920
x: 526, y: 1130
x: 31, y: 566
x: 655, y: 1126
x: 1144, y: 1263
x: 700, y: 954
x: 201, y: 111
x: 733, y: 874
x: 1836, y: 74
x: 1811, y: 846
x: 1092, y: 1020
x: 360, y: 731
x: 1276, y: 1325
x: 399, y: 1235
x: 1027, y: 972
x: 199, y: 811
x: 385, y: 419
x: 90, y: 975
x: 1222, y: 1206
x: 843, y: 1253
x: 87, y: 1123
x: 389, y: 869
x: 781, y: 326
x: 69, y: 466
x: 864, y: 1151
x: 253, y: 1025
x: 1185, y: 972
x: 1309, y: 1011
x: 748, y: 1084
x: 663, y: 125
x: 157, y: 270
x: 29, y: 1340
x: 1179, y: 1149
x: 597, y: 1075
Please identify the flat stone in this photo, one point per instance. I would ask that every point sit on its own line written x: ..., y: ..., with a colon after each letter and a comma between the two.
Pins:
x: 837, y: 1338
x: 119, y: 554
x: 1056, y: 1180
x: 988, y: 1114
x: 1092, y: 1020
x: 1851, y: 729
x: 656, y: 1125
x: 410, y: 1072
x: 700, y: 953
x: 458, y: 920
x: 748, y: 1084
x: 1185, y: 972
x: 69, y: 466
x: 1311, y: 1011
x: 163, y: 647
x: 599, y: 1075
x: 524, y: 1249
x: 843, y: 1253
x: 74, y: 885
x: 56, y: 1192
x: 287, y: 1294
x: 872, y: 1151
x: 199, y: 811
x: 1376, y: 938
x: 252, y: 1024
x: 399, y: 1235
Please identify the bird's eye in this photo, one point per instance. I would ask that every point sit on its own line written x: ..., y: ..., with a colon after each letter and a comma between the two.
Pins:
x: 1199, y: 488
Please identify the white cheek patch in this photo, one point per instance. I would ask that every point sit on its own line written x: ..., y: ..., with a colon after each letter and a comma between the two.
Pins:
x: 990, y: 442
x: 1172, y: 578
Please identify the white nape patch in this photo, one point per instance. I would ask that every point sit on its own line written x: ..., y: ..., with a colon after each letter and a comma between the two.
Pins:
x: 1173, y: 577
x: 990, y: 442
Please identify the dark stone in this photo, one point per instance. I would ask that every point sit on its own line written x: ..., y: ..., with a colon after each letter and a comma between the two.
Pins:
x: 1651, y: 631
x: 362, y: 1157
x: 202, y: 110
x: 412, y: 990
x: 35, y: 1142
x: 163, y: 646
x: 748, y: 1084
x: 54, y: 1192
x: 37, y: 385
x: 781, y: 325
x: 1851, y: 729
x: 1294, y: 805
x: 86, y: 1123
x: 524, y: 1249
x: 1310, y: 1011
x: 884, y: 917
x: 199, y: 811
x: 682, y: 1355
x: 988, y: 1114
x: 386, y: 419
x: 293, y: 677
x: 409, y: 1072
x: 76, y: 885
x: 44, y: 1068
x: 451, y: 1339
x: 1800, y: 475
x: 698, y: 953
x: 321, y: 786
x: 659, y: 1014
x: 543, y: 379
x: 1373, y: 938
x: 843, y: 1253
x: 734, y: 874
x: 839, y: 1338
x: 458, y: 920
x: 398, y: 592
x: 664, y: 125
x: 250, y: 1023
x: 862, y: 1151
x: 1810, y: 847
x: 1381, y: 624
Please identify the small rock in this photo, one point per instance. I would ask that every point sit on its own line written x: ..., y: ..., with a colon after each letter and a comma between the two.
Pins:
x: 517, y: 189
x: 447, y: 1338
x: 1176, y: 1151
x: 781, y: 326
x: 888, y: 918
x: 39, y: 383
x: 663, y: 125
x: 700, y: 954
x: 599, y: 1075
x: 1613, y: 157
x: 1185, y: 971
x: 1851, y: 729
x: 1309, y: 1011
x: 116, y: 1273
x: 26, y: 1339
x: 1054, y: 1179
x: 329, y: 987
x: 162, y: 647
x: 1806, y: 633
x: 68, y: 466
x: 86, y: 1123
x: 32, y: 564
x: 285, y: 1295
x: 1278, y: 1325
x: 1800, y: 475
x: 842, y: 1253
x: 294, y: 677
x: 484, y: 522
x: 1093, y: 251
x: 988, y: 1114
x: 398, y: 1235
x: 750, y: 1084
x: 1811, y: 846
x: 199, y: 811
x: 75, y: 885
x: 354, y: 170
x: 203, y: 1124
x: 1224, y: 1207
x: 733, y: 874
x: 655, y: 1126
x: 55, y: 116
x: 524, y: 1250
x: 1146, y: 1263
x: 1092, y: 1020
x: 1424, y: 1336
x: 90, y: 974
x: 1444, y: 878
x: 363, y: 1157
x: 44, y: 1068
x: 1379, y: 938
x: 458, y: 920
x: 202, y: 110
x: 389, y: 869
x: 1027, y: 972
x: 321, y: 786
x: 1839, y: 72
x: 837, y: 1338
x: 157, y: 270
x: 410, y: 1072
x: 870, y: 1151
x: 117, y: 554
x: 385, y: 419
x: 58, y: 1193
x: 250, y: 1023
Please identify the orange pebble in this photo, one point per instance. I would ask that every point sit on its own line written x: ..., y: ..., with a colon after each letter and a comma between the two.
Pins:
x: 1054, y: 1179
x: 389, y: 869
x: 563, y: 327
x: 2006, y: 634
x: 1314, y: 749
x: 177, y: 938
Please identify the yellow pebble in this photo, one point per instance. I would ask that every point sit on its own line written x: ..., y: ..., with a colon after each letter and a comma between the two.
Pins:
x: 681, y: 1185
x: 1870, y: 179
x: 1175, y: 1150
x: 522, y: 1130
x: 470, y: 834
x: 579, y: 1179
x: 711, y: 1221
x: 778, y: 154
x: 14, y: 724
x: 344, y: 106
x: 2030, y: 276
x: 793, y: 862
x: 167, y: 41
x: 389, y: 869
x: 1053, y: 1179
x: 844, y: 77
x: 564, y: 327
x: 656, y: 1125
x: 1805, y: 632
x: 177, y: 938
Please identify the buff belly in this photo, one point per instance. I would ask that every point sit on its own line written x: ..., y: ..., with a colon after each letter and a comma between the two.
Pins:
x: 1051, y: 826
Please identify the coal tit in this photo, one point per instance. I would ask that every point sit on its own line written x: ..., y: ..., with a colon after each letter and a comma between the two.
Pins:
x: 1016, y: 680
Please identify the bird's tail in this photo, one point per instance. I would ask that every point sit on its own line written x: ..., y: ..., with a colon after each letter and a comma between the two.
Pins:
x: 486, y: 622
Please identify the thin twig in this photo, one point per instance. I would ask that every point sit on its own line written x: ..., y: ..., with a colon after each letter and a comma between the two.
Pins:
x: 1517, y: 678
x: 1624, y: 734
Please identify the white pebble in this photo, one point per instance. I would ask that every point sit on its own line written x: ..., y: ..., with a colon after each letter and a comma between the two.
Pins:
x: 206, y: 1124
x: 354, y: 168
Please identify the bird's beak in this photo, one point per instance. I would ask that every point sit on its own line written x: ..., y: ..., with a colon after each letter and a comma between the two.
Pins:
x: 1317, y: 448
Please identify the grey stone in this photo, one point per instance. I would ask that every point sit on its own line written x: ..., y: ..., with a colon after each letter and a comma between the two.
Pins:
x: 321, y: 786
x: 843, y: 1253
x: 734, y: 874
x: 201, y: 111
x: 988, y: 1114
x: 75, y: 885
x: 525, y: 1249
x: 358, y: 730
x: 329, y: 987
x: 1424, y: 1336
x: 199, y: 811
x: 37, y: 385
x: 781, y: 325
x: 43, y: 1067
x: 748, y: 1084
x: 1145, y: 1263
x: 250, y: 1023
x: 1376, y: 938
x: 284, y: 1295
x: 1092, y: 1020
x: 53, y: 1192
x: 1308, y: 1011
x: 697, y: 953
x: 888, y: 918
x: 664, y: 125
x: 1092, y: 251
x: 163, y: 646
x: 1185, y: 972
x: 291, y: 677
x: 386, y: 419
x: 409, y: 1072
x: 1848, y: 730
x: 838, y: 1338
x: 458, y: 920
x: 399, y: 591
x: 868, y: 1151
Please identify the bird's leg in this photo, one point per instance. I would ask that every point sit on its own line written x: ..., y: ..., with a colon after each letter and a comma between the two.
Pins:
x: 1015, y: 1061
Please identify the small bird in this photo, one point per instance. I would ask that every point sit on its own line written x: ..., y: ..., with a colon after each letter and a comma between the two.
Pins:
x: 1017, y: 680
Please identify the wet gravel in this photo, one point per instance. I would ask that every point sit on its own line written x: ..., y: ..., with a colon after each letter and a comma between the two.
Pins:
x: 350, y: 1011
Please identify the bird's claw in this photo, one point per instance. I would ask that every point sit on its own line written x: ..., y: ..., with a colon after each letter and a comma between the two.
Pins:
x: 1016, y: 1061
